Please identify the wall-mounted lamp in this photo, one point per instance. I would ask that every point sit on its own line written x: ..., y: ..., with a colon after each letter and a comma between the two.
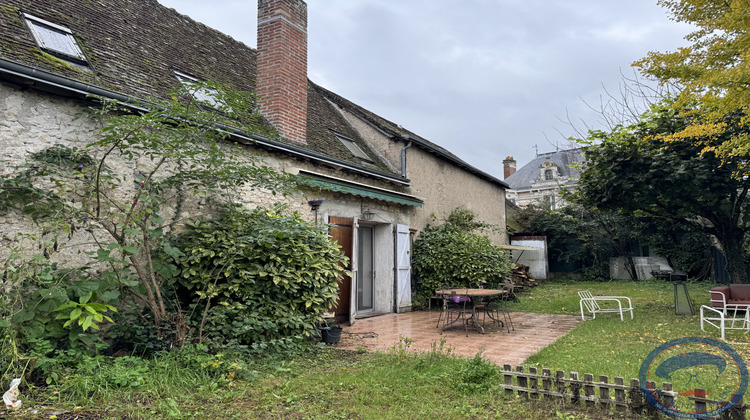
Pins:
x: 314, y: 206
x: 367, y: 214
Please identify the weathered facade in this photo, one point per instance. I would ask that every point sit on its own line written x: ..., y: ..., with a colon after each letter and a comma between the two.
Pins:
x: 376, y: 183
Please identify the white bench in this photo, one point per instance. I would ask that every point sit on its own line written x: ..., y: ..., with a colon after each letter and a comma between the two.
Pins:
x: 591, y: 303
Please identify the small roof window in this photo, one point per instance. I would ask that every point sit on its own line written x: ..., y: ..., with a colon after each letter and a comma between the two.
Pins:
x: 199, y: 90
x: 55, y: 39
x: 354, y: 148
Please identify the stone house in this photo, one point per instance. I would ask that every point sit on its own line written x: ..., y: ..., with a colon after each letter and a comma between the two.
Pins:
x: 377, y: 184
x: 541, y: 180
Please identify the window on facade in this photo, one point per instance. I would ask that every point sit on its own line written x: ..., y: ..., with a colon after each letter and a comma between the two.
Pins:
x: 549, y: 200
x: 55, y: 39
x: 200, y: 91
x: 355, y: 149
x: 549, y: 175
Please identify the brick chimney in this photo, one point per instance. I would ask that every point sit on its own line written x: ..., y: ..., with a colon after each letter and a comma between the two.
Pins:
x: 509, y: 167
x: 282, y: 66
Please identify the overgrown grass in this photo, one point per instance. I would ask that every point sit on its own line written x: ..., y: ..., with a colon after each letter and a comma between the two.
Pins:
x: 324, y: 384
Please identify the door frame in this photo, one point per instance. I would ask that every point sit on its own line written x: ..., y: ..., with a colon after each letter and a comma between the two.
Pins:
x: 360, y: 274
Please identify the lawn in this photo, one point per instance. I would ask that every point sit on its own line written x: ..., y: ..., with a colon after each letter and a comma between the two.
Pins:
x: 608, y: 346
x: 329, y: 383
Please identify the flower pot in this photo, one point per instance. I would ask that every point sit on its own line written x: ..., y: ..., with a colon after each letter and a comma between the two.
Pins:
x: 331, y: 335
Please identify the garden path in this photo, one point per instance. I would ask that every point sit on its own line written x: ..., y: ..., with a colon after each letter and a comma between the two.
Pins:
x: 532, y: 333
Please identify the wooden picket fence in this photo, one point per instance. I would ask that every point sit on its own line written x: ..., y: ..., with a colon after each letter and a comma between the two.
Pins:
x: 618, y: 396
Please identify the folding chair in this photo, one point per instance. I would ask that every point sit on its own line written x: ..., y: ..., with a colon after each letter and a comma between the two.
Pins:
x: 592, y: 304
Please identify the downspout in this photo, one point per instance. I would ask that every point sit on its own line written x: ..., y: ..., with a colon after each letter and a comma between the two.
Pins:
x: 403, y: 154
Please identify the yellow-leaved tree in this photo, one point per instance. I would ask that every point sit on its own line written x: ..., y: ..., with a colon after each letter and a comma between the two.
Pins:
x: 714, y: 71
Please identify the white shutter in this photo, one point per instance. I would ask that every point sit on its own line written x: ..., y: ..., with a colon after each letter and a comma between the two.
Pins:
x: 403, y: 268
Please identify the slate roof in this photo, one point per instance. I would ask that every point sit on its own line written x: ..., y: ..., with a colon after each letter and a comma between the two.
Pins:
x: 564, y: 159
x: 135, y: 45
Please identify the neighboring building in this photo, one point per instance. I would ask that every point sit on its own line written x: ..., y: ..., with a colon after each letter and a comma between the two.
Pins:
x: 541, y: 180
x: 375, y: 182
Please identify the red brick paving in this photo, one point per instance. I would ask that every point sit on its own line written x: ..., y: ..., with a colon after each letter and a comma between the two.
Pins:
x: 532, y: 333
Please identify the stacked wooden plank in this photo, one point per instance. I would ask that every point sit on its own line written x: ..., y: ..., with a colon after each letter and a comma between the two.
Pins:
x: 521, y: 277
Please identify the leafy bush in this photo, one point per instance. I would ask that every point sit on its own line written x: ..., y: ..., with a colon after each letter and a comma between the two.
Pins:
x: 450, y: 254
x: 63, y: 305
x: 257, y: 278
x: 477, y: 375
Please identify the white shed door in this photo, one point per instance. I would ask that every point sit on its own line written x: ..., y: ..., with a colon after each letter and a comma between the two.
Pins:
x: 403, y: 268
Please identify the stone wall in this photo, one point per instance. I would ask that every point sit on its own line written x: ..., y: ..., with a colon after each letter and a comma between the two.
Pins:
x: 32, y: 121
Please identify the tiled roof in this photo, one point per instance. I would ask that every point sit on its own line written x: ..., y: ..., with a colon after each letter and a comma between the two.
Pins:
x: 134, y: 46
x: 395, y: 130
x: 563, y: 159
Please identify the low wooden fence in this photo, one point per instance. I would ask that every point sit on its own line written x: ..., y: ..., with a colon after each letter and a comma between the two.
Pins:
x: 602, y: 394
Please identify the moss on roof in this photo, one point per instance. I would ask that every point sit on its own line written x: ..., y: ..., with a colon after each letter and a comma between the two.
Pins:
x: 134, y: 46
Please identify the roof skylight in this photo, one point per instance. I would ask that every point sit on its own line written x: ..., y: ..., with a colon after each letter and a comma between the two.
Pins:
x: 354, y: 148
x: 55, y: 39
x: 199, y: 90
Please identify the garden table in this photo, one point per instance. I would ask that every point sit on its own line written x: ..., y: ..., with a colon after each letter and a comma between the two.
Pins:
x: 477, y: 296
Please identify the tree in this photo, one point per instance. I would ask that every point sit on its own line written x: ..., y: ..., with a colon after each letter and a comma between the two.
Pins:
x: 637, y: 169
x: 588, y: 237
x: 714, y: 70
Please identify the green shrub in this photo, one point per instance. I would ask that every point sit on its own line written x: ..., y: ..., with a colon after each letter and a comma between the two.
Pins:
x: 66, y: 306
x: 451, y: 255
x: 477, y: 375
x: 257, y: 278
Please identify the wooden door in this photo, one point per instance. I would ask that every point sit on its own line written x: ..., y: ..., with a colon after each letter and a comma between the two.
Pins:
x: 342, y: 232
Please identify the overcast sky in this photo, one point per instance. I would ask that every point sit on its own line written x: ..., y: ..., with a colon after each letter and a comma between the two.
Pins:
x: 482, y: 78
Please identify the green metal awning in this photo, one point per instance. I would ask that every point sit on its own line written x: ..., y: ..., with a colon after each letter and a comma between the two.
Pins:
x: 362, y: 191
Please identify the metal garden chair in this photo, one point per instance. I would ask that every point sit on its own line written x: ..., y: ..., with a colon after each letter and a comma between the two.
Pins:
x: 591, y: 303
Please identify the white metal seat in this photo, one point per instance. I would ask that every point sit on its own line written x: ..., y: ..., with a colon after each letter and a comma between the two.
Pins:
x: 591, y: 303
x: 734, y: 317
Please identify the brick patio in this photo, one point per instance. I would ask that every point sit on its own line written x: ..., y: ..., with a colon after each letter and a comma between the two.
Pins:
x: 532, y: 333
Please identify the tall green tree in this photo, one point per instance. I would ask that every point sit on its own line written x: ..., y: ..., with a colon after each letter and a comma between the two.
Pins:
x: 714, y: 70
x: 587, y: 238
x: 638, y: 169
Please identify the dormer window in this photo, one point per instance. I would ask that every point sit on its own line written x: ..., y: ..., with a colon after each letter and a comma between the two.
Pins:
x: 354, y: 148
x: 549, y: 175
x: 199, y: 90
x: 55, y: 39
